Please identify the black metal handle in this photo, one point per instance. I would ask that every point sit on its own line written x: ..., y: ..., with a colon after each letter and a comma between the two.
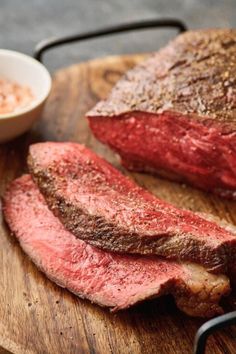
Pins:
x: 209, y: 327
x: 49, y: 43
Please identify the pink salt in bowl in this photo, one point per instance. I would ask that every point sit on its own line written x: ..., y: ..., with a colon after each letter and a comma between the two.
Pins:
x: 29, y: 74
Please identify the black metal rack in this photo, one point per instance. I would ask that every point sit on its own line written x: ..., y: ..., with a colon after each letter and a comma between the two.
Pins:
x: 219, y: 322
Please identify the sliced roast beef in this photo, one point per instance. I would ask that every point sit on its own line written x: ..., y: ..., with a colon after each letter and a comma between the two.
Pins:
x: 116, y: 281
x: 175, y: 114
x: 98, y: 204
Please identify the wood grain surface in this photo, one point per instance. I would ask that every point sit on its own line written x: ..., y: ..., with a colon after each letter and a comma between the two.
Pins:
x: 36, y: 316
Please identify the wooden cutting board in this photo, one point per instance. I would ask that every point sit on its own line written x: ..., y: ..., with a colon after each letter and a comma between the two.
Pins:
x: 36, y: 316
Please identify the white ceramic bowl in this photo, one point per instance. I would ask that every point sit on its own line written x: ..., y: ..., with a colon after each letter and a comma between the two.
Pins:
x: 24, y: 70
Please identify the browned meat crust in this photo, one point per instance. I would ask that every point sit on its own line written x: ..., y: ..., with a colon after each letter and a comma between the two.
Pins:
x: 194, y: 75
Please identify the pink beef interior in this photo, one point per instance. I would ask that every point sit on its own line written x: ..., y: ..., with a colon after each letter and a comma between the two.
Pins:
x: 109, y: 279
x: 84, y: 178
x: 108, y: 210
x: 112, y: 280
x: 201, y: 152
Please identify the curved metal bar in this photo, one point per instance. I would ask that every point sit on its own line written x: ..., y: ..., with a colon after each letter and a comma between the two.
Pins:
x: 49, y: 43
x: 209, y: 327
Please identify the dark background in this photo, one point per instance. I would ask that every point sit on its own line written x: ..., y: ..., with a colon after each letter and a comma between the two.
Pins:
x: 25, y: 22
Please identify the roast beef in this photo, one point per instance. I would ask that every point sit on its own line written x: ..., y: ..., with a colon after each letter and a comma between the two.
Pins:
x: 175, y: 113
x: 100, y: 205
x: 109, y: 279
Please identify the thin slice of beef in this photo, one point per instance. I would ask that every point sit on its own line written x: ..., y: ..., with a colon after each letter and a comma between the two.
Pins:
x: 175, y: 114
x: 98, y: 204
x: 108, y: 279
